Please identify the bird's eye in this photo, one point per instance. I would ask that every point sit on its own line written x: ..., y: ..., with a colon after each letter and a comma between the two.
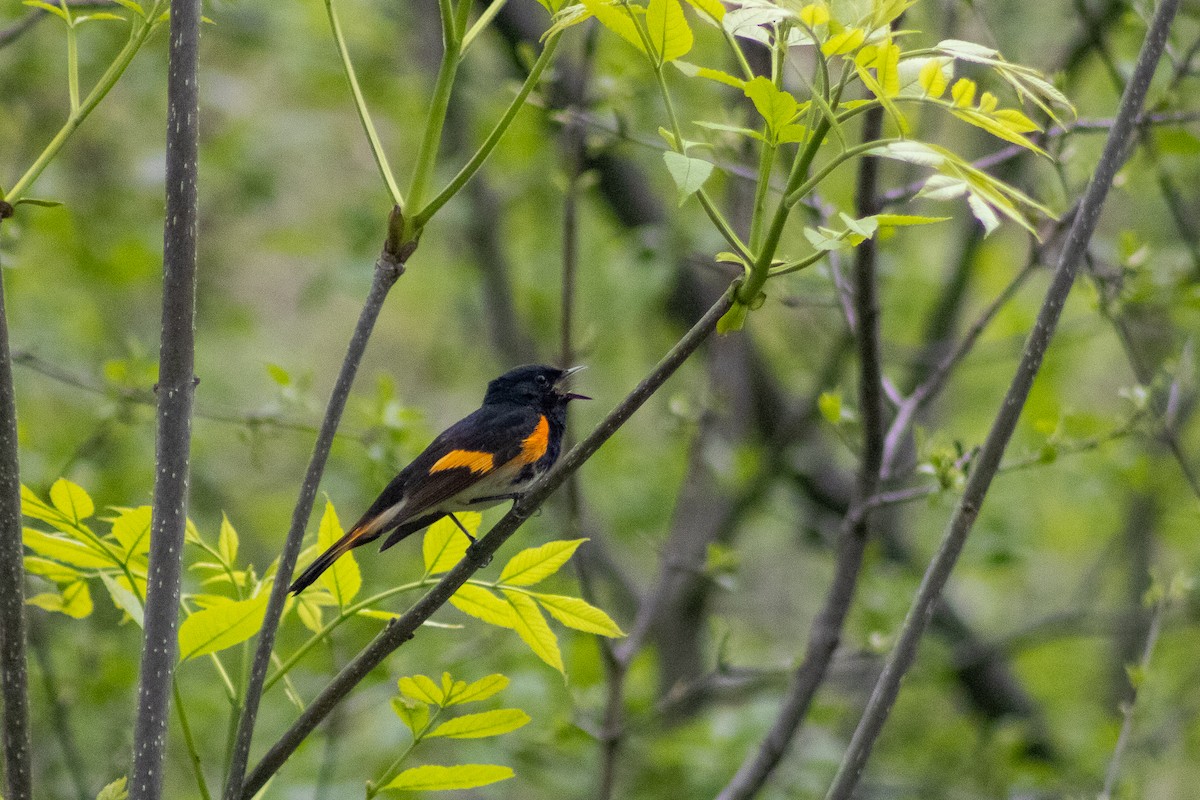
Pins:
x: 541, y: 380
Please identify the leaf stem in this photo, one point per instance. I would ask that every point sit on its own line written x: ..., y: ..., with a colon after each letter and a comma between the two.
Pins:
x: 360, y: 105
x: 422, y: 217
x: 190, y: 742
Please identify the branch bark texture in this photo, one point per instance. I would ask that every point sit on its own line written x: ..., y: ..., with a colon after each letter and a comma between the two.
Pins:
x: 388, y: 269
x: 400, y: 630
x: 1084, y: 225
x: 176, y: 390
x: 13, y: 670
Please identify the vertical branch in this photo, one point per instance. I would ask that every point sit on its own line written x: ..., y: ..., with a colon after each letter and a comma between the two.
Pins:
x: 388, y: 269
x: 1082, y: 228
x: 176, y: 388
x: 826, y: 629
x: 13, y: 668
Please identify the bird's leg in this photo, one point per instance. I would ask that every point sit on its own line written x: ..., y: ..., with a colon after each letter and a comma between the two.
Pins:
x: 461, y: 528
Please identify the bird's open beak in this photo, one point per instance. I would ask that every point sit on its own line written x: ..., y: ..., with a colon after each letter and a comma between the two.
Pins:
x: 563, y: 379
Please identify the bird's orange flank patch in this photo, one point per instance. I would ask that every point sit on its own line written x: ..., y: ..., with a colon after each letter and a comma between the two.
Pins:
x: 474, y: 460
x: 536, y: 443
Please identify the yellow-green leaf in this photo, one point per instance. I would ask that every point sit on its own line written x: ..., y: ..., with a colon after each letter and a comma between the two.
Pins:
x: 423, y: 688
x: 693, y: 71
x: 124, y: 598
x: 579, y: 614
x: 413, y: 713
x: 689, y: 174
x: 114, y: 791
x: 535, y: 564
x: 532, y: 628
x: 668, y: 29
x: 444, y: 544
x: 51, y: 570
x: 432, y: 778
x: 132, y: 531
x: 933, y: 78
x: 68, y: 551
x: 71, y: 500
x: 814, y: 14
x: 733, y: 319
x: 33, y: 506
x: 617, y: 19
x: 903, y: 220
x: 227, y: 541
x: 343, y: 580
x: 482, y: 604
x: 309, y: 613
x: 887, y: 68
x: 221, y: 626
x: 74, y: 600
x: 963, y: 93
x: 776, y: 106
x: 478, y: 690
x: 847, y: 41
x: 485, y: 723
x: 995, y: 128
x: 710, y: 8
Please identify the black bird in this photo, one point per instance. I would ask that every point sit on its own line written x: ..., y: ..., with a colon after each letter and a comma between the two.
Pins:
x: 483, y: 459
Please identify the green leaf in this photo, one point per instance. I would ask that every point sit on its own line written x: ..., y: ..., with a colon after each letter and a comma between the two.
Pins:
x: 688, y: 173
x: 432, y: 778
x: 844, y: 42
x: 532, y: 628
x: 68, y: 551
x: 114, y: 791
x: 485, y: 723
x: 694, y: 71
x: 423, y: 688
x: 71, y: 500
x: 535, y: 564
x: 718, y: 126
x: 482, y: 604
x: 733, y: 319
x: 37, y: 201
x: 775, y: 106
x: 310, y: 613
x: 911, y: 152
x: 100, y: 15
x: 343, y: 580
x: 616, y: 18
x: 132, y: 6
x: 55, y: 10
x: 709, y: 8
x: 933, y: 78
x: 132, y: 531
x: 227, y: 541
x: 668, y: 30
x: 412, y: 713
x: 478, y: 690
x: 221, y: 626
x: 124, y: 599
x: 444, y: 544
x: 51, y: 570
x: 830, y: 406
x: 74, y: 600
x: 905, y: 220
x: 579, y: 614
x: 32, y: 506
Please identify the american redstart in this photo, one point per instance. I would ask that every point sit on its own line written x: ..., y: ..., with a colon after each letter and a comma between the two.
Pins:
x: 483, y: 459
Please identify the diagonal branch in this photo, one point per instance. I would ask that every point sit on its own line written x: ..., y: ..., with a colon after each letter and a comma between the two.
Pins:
x: 400, y: 630
x: 176, y: 389
x: 888, y: 685
x: 388, y: 269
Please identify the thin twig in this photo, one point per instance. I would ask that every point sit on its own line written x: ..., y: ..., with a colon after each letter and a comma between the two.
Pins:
x: 60, y: 716
x: 401, y: 629
x: 14, y: 676
x: 888, y: 684
x: 388, y: 269
x: 1127, y: 708
x: 176, y: 390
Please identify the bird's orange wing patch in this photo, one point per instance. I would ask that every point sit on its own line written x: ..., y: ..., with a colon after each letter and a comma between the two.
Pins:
x: 536, y: 443
x: 474, y: 460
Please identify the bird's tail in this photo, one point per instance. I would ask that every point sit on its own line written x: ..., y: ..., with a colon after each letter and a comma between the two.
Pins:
x: 358, y: 535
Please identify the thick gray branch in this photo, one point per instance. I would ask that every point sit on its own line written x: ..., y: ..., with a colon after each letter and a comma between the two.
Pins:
x: 176, y: 388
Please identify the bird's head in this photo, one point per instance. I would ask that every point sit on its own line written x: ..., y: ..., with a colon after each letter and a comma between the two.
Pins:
x: 534, y: 384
